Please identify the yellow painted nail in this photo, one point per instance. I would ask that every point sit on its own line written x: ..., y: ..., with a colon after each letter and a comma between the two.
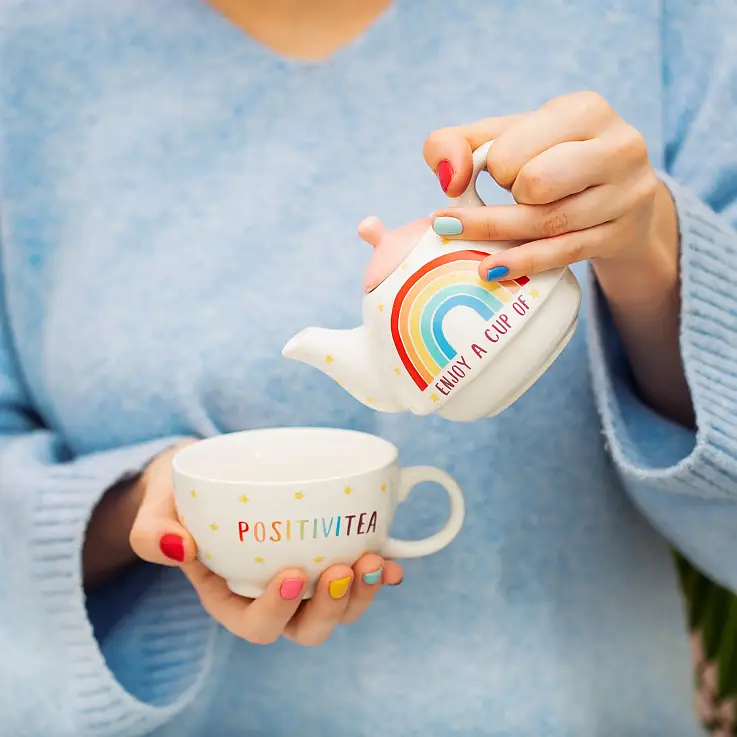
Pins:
x: 338, y: 589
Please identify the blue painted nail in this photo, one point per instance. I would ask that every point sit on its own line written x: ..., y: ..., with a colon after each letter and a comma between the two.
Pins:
x: 498, y: 272
x: 373, y: 577
x: 447, y: 226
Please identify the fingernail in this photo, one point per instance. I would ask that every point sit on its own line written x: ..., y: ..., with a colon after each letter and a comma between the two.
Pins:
x: 498, y: 272
x: 338, y: 589
x: 172, y: 546
x: 291, y: 588
x: 373, y: 577
x: 445, y: 174
x: 397, y: 583
x: 447, y: 226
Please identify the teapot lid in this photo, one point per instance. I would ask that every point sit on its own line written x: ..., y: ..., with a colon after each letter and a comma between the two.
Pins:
x: 391, y: 247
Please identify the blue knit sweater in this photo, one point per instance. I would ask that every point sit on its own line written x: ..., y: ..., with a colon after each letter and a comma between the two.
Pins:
x: 176, y: 201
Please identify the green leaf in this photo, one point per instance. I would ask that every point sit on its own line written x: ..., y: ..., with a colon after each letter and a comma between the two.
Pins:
x: 727, y: 654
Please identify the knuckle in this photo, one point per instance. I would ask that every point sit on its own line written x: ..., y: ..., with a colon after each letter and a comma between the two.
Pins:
x: 490, y: 230
x: 622, y: 231
x: 435, y: 141
x: 574, y: 250
x: 499, y: 166
x: 529, y: 264
x: 633, y: 144
x: 312, y: 639
x: 592, y: 103
x: 534, y: 186
x: 555, y: 223
x: 648, y: 187
x: 261, y: 638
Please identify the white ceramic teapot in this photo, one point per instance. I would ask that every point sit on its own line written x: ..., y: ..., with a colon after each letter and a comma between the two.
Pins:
x: 436, y: 338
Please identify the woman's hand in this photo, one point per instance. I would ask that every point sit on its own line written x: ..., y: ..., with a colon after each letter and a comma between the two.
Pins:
x: 585, y: 189
x: 158, y: 537
x: 580, y: 175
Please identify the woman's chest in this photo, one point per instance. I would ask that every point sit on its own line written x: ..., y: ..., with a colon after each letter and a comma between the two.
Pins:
x: 177, y: 216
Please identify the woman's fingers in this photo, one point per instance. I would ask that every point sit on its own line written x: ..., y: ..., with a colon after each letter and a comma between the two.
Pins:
x: 448, y: 151
x: 572, y: 166
x: 552, y: 253
x: 531, y: 222
x: 318, y: 617
x: 371, y: 572
x: 393, y: 573
x: 341, y: 596
x: 368, y: 575
x: 260, y: 621
x: 157, y: 535
x: 567, y: 169
x: 579, y: 117
x: 517, y: 139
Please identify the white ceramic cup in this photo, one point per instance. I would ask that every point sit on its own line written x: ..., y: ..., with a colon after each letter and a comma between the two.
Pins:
x: 259, y: 501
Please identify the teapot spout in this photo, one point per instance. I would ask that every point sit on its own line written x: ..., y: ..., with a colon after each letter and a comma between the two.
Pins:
x: 348, y: 358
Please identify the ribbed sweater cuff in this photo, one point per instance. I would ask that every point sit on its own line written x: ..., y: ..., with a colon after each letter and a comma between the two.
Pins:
x: 704, y: 465
x: 170, y: 621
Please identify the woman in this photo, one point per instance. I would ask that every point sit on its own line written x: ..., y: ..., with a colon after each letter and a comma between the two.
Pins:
x: 181, y: 184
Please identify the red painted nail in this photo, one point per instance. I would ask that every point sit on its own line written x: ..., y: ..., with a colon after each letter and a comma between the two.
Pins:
x: 172, y: 546
x: 445, y: 174
x: 291, y: 588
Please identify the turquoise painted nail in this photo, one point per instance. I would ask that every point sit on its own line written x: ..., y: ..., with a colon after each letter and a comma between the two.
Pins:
x: 447, y: 226
x: 498, y: 272
x: 373, y: 577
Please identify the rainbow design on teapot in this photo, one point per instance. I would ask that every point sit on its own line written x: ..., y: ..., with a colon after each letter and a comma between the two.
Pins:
x: 425, y: 299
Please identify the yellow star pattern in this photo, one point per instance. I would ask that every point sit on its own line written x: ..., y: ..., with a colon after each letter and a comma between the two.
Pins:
x: 534, y: 293
x: 243, y: 499
x: 258, y: 559
x: 213, y: 527
x: 434, y: 398
x: 445, y: 241
x: 404, y: 265
x: 383, y: 487
x: 329, y: 359
x: 381, y: 308
x: 398, y: 371
x: 370, y: 400
x: 193, y: 494
x: 318, y: 559
x: 208, y: 555
x: 348, y: 490
x: 298, y: 495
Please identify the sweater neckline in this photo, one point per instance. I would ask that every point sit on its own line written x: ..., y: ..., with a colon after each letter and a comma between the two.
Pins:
x: 364, y: 44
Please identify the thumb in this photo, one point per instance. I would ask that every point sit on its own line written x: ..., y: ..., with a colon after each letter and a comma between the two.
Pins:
x: 157, y: 535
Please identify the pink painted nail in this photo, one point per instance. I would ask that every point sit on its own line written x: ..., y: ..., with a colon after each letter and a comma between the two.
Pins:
x: 291, y: 588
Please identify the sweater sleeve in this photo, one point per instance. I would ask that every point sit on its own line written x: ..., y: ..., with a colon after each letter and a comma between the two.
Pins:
x: 686, y: 483
x: 55, y: 677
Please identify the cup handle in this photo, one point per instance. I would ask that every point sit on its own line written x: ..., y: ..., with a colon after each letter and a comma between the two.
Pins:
x: 470, y: 197
x: 409, y: 478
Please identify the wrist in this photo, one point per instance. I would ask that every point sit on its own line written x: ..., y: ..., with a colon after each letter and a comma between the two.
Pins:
x: 107, y: 548
x: 643, y: 291
x: 642, y: 277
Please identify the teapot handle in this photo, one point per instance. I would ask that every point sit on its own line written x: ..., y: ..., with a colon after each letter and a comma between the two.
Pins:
x: 470, y: 197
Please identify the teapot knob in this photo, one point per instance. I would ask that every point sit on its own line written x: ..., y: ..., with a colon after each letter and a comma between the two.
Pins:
x: 372, y: 230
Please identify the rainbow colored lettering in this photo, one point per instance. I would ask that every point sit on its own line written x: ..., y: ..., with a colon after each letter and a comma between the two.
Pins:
x: 428, y: 296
